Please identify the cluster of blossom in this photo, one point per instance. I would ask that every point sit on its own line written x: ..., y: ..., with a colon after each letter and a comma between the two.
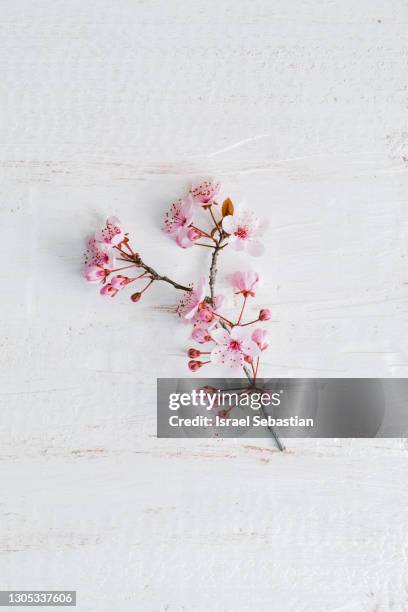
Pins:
x: 235, y: 343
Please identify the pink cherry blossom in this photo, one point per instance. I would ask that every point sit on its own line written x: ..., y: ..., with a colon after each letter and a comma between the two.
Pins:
x: 244, y: 231
x: 99, y: 254
x: 261, y: 338
x: 112, y: 233
x: 119, y: 282
x: 205, y: 192
x: 191, y: 300
x: 245, y: 283
x: 232, y: 347
x: 108, y: 290
x: 95, y: 273
x: 179, y: 217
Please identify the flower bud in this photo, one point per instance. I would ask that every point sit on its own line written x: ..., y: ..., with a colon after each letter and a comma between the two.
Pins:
x: 200, y: 335
x: 206, y: 315
x: 193, y: 234
x: 223, y: 414
x: 195, y: 365
x: 135, y: 297
x: 248, y: 358
x: 192, y: 353
x: 108, y: 290
x: 264, y: 314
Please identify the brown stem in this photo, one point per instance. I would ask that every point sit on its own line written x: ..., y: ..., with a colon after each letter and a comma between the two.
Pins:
x: 242, y: 310
x: 215, y: 221
x: 213, y: 271
x: 155, y: 275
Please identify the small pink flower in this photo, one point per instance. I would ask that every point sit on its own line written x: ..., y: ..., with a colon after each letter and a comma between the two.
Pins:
x: 232, y: 347
x: 261, y: 338
x: 112, y: 234
x: 205, y: 192
x: 119, y: 282
x: 95, y: 273
x: 264, y: 314
x: 244, y: 230
x: 191, y: 300
x: 99, y: 254
x: 108, y: 290
x: 245, y: 283
x: 179, y: 217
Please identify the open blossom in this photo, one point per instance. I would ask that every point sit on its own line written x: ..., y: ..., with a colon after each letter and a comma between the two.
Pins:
x: 191, y: 300
x: 244, y: 229
x: 245, y: 283
x: 261, y: 338
x: 232, y: 347
x: 205, y: 192
x: 179, y: 218
x: 99, y: 254
x: 112, y: 234
x: 95, y: 273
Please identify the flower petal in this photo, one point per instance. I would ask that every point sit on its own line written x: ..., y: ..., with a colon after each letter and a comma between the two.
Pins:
x: 229, y: 224
x: 221, y: 336
x: 255, y: 248
x: 249, y: 347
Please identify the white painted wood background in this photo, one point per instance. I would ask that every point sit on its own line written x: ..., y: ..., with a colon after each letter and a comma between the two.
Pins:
x: 300, y: 108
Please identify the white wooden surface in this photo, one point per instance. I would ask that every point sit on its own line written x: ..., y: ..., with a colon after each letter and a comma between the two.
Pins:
x: 300, y: 108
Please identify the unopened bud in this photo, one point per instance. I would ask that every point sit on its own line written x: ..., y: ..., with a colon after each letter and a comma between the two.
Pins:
x: 195, y: 365
x: 192, y: 353
x: 264, y: 314
x: 135, y: 297
x: 193, y: 234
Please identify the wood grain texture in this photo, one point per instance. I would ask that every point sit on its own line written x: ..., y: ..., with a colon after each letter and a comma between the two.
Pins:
x: 114, y: 107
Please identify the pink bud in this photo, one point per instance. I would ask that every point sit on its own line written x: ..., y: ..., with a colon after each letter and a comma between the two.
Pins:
x: 200, y: 335
x: 193, y: 234
x: 222, y: 414
x: 95, y: 273
x: 264, y: 314
x: 108, y: 290
x: 192, y: 353
x: 206, y: 315
x: 195, y: 365
x: 120, y: 281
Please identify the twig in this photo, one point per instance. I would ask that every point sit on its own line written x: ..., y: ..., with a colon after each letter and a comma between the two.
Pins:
x: 271, y: 429
x: 213, y: 271
x: 156, y: 276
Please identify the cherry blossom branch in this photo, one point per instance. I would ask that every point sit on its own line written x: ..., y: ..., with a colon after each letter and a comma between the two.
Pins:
x: 155, y: 275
